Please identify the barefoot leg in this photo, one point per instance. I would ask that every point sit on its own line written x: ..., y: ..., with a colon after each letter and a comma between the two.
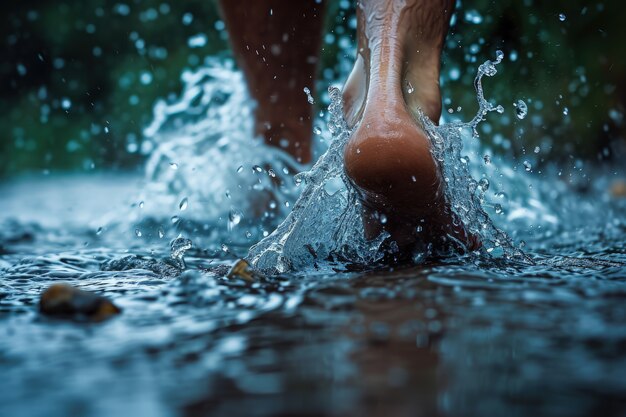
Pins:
x: 388, y: 158
x: 276, y: 43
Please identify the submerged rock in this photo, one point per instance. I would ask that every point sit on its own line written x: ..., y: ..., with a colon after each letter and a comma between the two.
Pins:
x: 65, y: 300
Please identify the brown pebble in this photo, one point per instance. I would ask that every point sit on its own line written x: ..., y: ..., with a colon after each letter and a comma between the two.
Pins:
x: 67, y: 301
x: 242, y: 270
x: 618, y: 189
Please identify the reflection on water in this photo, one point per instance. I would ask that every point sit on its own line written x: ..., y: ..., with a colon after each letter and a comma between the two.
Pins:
x: 459, y: 337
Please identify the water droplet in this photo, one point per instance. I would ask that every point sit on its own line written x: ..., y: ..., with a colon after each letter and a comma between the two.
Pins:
x: 257, y: 168
x: 565, y: 111
x: 537, y: 149
x: 500, y: 109
x: 234, y: 217
x: 175, y: 219
x: 225, y: 247
x: 483, y: 184
x: 527, y: 166
x: 521, y: 109
x: 497, y: 208
x: 174, y: 165
x: 141, y: 204
x: 418, y: 229
x: 137, y: 232
x: 99, y: 231
x: 248, y: 234
x: 240, y: 169
x: 178, y: 247
x: 309, y: 97
x: 106, y: 129
x: 66, y: 103
x: 161, y: 233
x: 271, y: 173
x: 487, y: 159
x: 383, y: 219
x: 413, y: 178
x: 184, y: 203
x: 562, y: 17
x: 409, y: 88
x: 317, y: 130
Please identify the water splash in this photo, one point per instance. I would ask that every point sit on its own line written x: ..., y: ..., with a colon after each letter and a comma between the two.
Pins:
x: 206, y: 170
x: 326, y: 224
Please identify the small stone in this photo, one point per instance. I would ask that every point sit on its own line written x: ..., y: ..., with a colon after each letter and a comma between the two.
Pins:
x: 64, y: 300
x: 242, y: 270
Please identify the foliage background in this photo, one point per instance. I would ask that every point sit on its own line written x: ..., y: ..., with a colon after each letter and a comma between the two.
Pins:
x: 79, y: 79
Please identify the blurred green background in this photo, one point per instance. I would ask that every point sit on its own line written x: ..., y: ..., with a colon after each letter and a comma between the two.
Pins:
x: 79, y: 79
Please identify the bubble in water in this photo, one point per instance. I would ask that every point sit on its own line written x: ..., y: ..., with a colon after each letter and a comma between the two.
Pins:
x: 184, y: 203
x: 239, y: 169
x: 309, y: 97
x: 175, y: 219
x: 174, y: 165
x: 527, y: 166
x: 141, y: 204
x: 161, y: 233
x: 521, y: 109
x: 497, y: 208
x: 487, y: 159
x: 99, y: 231
x: 178, y: 247
x: 537, y: 149
x: 317, y: 130
x: 138, y: 233
x: 562, y: 17
x: 257, y: 168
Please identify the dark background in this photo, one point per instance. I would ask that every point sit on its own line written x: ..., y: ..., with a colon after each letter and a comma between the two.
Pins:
x: 79, y: 78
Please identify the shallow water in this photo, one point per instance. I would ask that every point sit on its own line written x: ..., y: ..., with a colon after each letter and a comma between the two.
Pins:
x: 473, y: 335
x: 456, y: 337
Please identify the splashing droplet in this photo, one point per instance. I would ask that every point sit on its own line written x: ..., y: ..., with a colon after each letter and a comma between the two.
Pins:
x: 521, y: 109
x: 483, y: 184
x: 527, y: 166
x: 309, y: 97
x: 184, y: 203
x: 562, y: 17
x: 565, y: 111
x: 178, y: 247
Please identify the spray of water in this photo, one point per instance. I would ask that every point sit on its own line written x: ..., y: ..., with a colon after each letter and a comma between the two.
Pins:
x: 325, y: 223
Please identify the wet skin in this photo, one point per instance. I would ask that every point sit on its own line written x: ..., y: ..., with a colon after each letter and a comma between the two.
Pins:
x: 388, y: 158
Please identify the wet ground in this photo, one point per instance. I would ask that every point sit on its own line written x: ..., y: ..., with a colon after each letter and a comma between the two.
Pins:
x: 455, y: 337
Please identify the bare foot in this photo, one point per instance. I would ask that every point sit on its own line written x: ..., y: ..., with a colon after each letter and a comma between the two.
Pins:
x: 388, y: 158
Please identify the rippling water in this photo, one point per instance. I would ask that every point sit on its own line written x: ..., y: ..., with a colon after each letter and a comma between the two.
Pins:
x: 459, y: 336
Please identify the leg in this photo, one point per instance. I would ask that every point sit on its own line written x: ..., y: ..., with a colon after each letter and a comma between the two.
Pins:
x: 388, y: 158
x: 276, y: 43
